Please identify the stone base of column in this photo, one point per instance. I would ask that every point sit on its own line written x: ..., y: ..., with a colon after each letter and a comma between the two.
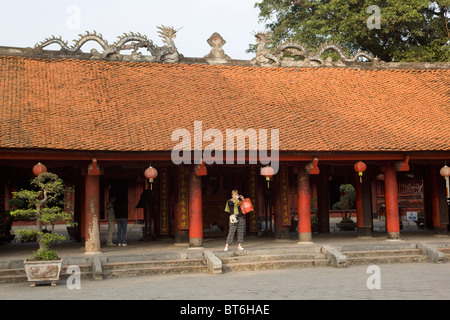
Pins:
x: 305, y: 237
x: 93, y: 253
x: 195, y: 243
x: 92, y: 247
x: 393, y: 236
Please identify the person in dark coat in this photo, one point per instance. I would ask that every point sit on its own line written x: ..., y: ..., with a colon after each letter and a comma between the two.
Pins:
x: 121, y: 213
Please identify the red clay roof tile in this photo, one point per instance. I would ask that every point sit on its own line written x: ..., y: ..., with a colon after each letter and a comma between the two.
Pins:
x: 117, y: 106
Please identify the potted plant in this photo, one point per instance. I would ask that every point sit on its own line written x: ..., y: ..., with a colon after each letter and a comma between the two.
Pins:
x: 42, y: 204
x: 345, y: 203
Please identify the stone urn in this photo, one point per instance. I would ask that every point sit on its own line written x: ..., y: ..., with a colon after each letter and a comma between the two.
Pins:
x: 38, y: 271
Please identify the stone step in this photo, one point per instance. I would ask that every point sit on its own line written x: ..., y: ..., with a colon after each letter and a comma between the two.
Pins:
x: 15, y: 277
x: 387, y: 259
x: 142, y: 268
x: 152, y: 264
x: 446, y: 252
x: 85, y: 271
x: 275, y: 264
x: 18, y: 274
x: 271, y: 257
x: 270, y: 251
x: 12, y: 272
x: 376, y: 253
x: 145, y: 271
x: 377, y: 247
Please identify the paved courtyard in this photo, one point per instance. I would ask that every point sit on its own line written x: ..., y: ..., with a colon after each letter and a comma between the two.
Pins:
x: 397, y: 281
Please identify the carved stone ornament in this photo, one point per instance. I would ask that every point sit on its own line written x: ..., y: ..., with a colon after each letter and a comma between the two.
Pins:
x: 217, y: 54
x: 286, y: 53
x: 127, y: 41
x: 43, y: 271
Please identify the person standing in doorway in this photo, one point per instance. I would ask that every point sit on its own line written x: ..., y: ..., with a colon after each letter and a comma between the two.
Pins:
x: 237, y: 220
x: 111, y: 220
x: 122, y: 221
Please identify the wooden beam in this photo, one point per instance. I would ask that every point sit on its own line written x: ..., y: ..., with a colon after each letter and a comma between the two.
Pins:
x: 166, y: 155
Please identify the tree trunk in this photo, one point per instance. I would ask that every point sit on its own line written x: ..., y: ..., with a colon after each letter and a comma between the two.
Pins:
x: 39, y: 228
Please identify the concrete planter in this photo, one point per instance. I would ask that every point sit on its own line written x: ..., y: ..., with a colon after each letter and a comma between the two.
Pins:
x: 43, y: 271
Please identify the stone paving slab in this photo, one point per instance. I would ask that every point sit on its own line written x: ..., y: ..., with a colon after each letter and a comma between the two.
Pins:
x: 143, y: 250
x: 397, y: 282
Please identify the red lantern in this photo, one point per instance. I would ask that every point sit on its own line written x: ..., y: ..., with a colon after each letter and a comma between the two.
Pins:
x: 445, y: 172
x: 151, y: 173
x: 201, y: 171
x: 267, y: 172
x: 39, y: 168
x: 360, y: 167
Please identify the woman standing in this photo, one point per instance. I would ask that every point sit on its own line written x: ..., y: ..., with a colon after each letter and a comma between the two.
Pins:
x: 237, y: 221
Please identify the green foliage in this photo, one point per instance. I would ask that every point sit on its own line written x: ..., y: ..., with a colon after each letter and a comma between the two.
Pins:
x: 44, y: 254
x: 314, y: 220
x: 410, y: 30
x: 48, y: 238
x: 346, y: 202
x: 27, y: 235
x: 43, y: 204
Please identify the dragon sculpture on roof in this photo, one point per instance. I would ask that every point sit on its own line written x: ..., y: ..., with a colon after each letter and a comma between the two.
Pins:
x: 127, y: 41
x: 265, y: 56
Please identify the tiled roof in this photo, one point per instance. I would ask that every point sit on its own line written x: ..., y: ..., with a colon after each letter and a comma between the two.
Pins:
x: 118, y: 106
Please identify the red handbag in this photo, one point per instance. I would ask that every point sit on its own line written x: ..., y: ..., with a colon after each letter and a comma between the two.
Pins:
x: 246, y: 206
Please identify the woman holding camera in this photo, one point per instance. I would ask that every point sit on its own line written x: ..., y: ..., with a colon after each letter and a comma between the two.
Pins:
x: 237, y: 221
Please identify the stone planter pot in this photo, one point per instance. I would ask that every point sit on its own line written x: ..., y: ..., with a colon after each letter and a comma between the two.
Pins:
x: 347, y: 226
x: 43, y: 271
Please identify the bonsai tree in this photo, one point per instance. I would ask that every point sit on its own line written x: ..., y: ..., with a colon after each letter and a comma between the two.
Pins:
x: 346, y: 202
x: 43, y: 204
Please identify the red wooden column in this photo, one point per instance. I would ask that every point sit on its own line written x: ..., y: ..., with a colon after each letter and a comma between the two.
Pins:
x: 303, y: 206
x: 195, y: 210
x: 438, y: 227
x: 92, y: 208
x: 390, y: 190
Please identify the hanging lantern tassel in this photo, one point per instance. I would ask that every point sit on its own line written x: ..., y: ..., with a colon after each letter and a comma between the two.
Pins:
x: 447, y: 186
x: 360, y: 177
